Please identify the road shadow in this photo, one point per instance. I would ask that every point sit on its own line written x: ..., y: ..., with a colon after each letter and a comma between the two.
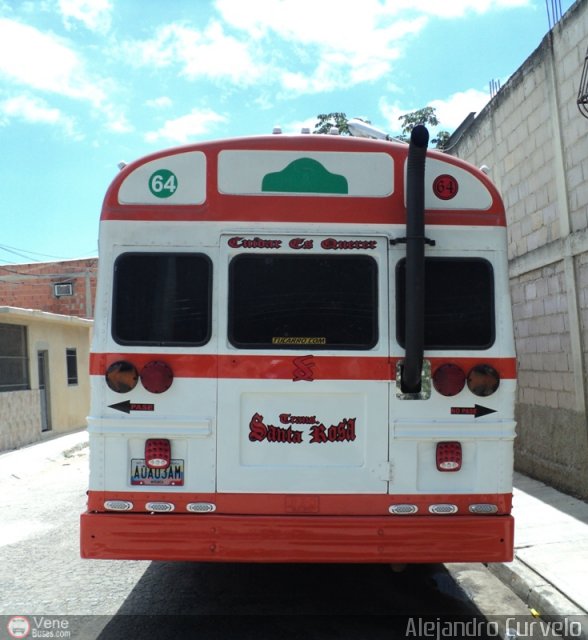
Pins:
x: 286, y: 601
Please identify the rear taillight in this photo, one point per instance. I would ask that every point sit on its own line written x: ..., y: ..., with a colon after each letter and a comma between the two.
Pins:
x: 157, y: 376
x: 157, y: 453
x: 448, y: 456
x: 483, y: 380
x: 449, y: 379
x: 122, y: 376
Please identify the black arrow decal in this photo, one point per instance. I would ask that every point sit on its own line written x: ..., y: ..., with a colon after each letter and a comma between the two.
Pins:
x: 477, y: 411
x: 127, y: 406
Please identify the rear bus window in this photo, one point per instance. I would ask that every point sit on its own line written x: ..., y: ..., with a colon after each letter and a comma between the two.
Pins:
x: 459, y: 303
x: 162, y: 299
x: 302, y: 302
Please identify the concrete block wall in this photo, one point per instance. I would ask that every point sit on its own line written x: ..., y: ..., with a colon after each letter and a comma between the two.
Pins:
x: 535, y: 141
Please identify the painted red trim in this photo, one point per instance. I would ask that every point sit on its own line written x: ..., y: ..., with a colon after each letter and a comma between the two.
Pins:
x: 288, y: 504
x: 280, y: 366
x: 297, y: 538
x: 300, y: 209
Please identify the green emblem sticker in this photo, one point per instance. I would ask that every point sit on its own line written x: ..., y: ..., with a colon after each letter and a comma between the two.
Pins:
x: 163, y: 183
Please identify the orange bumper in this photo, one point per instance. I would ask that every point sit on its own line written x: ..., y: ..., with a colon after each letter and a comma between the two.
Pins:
x: 240, y: 538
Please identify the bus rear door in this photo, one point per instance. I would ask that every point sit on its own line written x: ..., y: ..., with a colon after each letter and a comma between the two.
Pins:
x: 304, y: 380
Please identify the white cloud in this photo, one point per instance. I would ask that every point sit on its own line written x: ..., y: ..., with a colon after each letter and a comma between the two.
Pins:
x: 343, y: 45
x: 453, y: 9
x: 36, y: 111
x: 451, y: 111
x: 95, y: 15
x: 44, y: 62
x: 207, y: 53
x: 163, y: 102
x: 182, y: 129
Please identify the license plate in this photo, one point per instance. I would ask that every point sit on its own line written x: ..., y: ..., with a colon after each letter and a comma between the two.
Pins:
x: 142, y: 475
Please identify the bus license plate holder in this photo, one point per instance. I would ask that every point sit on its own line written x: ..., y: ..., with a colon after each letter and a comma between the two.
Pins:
x: 141, y: 475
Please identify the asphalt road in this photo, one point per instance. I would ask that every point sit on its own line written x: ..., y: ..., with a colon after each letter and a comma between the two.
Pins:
x: 42, y: 493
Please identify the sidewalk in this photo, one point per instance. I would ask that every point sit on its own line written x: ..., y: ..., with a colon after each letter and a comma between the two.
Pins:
x: 550, y: 569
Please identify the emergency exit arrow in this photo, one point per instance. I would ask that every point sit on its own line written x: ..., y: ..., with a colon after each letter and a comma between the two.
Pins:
x: 477, y: 411
x: 127, y: 406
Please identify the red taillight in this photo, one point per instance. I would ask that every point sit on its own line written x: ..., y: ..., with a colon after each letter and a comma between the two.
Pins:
x: 448, y: 456
x: 157, y: 376
x: 122, y: 376
x: 449, y: 379
x: 157, y: 453
x: 483, y: 380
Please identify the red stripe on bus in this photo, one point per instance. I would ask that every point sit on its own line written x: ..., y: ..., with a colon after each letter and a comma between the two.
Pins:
x: 284, y: 367
x: 281, y: 367
x: 311, y: 503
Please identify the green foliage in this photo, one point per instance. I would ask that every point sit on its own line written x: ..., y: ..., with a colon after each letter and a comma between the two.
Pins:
x: 426, y: 116
x: 328, y: 120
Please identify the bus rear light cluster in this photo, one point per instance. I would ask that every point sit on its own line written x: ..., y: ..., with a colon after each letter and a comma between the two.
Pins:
x: 448, y: 456
x: 201, y: 507
x: 157, y: 453
x: 403, y: 509
x: 118, y: 505
x: 450, y: 379
x: 483, y: 508
x: 443, y: 509
x: 159, y: 507
x: 156, y: 376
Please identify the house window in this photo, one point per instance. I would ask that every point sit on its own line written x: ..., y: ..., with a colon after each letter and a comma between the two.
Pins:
x: 14, y: 362
x: 71, y: 358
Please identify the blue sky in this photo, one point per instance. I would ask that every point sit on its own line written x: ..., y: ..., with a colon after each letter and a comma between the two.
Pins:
x: 85, y: 84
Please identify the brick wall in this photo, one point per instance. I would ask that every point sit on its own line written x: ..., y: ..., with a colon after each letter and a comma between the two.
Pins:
x: 30, y: 286
x: 535, y: 142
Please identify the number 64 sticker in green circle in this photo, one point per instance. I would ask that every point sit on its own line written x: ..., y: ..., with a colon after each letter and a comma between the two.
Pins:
x: 163, y: 183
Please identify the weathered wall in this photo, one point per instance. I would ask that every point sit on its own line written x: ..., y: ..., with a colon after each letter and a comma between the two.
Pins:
x: 535, y: 142
x: 30, y: 286
x: 20, y: 418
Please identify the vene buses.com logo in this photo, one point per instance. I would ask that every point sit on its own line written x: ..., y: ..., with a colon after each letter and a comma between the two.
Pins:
x: 18, y: 627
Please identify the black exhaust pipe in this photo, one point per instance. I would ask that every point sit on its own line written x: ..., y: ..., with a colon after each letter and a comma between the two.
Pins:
x: 415, y: 260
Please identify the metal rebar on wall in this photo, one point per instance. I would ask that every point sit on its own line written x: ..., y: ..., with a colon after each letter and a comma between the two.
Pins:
x: 553, y: 12
x: 582, y: 100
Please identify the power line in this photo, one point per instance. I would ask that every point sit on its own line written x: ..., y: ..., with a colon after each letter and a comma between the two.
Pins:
x: 21, y: 253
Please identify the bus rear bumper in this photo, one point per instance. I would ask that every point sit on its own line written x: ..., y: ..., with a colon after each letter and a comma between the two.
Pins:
x: 246, y: 538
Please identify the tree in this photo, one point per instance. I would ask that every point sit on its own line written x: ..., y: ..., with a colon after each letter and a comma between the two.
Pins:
x: 326, y: 121
x: 426, y: 116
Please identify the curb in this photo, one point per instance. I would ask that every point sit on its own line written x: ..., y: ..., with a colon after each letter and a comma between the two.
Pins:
x: 538, y: 594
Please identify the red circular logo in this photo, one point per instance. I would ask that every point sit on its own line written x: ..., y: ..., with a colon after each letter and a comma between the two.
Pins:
x: 445, y: 187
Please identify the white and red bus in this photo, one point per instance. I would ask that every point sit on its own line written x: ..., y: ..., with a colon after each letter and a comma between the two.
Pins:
x: 303, y: 352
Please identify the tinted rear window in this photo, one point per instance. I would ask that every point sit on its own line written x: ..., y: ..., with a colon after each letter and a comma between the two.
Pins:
x: 162, y: 299
x: 459, y: 303
x: 290, y: 302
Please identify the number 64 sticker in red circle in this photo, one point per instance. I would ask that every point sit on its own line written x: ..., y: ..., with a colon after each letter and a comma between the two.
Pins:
x: 445, y: 187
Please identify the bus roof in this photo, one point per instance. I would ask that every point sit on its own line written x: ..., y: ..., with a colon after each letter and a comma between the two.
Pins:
x: 302, y: 178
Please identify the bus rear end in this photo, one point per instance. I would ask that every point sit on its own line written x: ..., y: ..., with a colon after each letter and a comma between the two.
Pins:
x: 248, y: 399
